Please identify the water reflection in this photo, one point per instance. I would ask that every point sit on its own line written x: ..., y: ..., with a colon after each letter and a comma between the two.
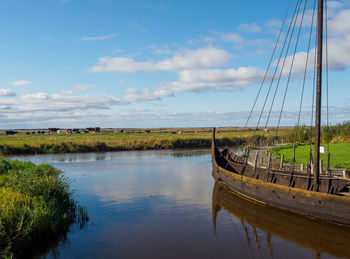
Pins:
x: 160, y: 204
x: 259, y: 226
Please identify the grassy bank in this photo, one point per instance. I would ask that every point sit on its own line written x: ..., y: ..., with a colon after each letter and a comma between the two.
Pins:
x: 339, y: 154
x: 35, y: 205
x: 118, y: 141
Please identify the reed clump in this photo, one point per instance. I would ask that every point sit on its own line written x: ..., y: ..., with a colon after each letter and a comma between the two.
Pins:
x: 35, y: 203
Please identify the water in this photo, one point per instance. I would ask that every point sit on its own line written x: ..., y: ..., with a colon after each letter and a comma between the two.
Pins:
x: 164, y: 204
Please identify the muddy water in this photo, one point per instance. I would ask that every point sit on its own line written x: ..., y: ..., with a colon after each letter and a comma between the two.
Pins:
x: 164, y: 204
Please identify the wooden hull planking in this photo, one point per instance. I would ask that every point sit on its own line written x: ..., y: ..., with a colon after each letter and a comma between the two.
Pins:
x: 278, y: 193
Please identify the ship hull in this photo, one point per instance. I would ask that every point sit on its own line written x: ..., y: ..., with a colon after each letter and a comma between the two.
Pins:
x: 327, y: 207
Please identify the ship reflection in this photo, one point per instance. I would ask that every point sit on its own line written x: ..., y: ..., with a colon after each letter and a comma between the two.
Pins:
x: 304, y: 232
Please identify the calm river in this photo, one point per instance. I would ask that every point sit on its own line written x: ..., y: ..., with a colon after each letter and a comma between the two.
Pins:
x: 164, y: 204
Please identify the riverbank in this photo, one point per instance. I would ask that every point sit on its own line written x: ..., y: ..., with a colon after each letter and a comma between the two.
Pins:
x: 36, y: 206
x: 122, y: 141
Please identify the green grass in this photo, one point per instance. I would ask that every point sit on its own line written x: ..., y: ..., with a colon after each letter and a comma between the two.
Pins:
x: 115, y: 141
x: 340, y: 154
x: 35, y: 204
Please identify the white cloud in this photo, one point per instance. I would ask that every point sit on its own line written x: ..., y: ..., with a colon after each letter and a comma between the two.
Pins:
x: 183, y: 59
x: 338, y: 46
x: 231, y: 37
x: 20, y: 83
x: 146, y: 94
x: 229, y: 79
x: 146, y: 118
x: 36, y: 96
x: 340, y: 23
x: 198, y: 81
x: 273, y: 25
x: 160, y: 49
x: 252, y: 27
x: 79, y: 88
x: 6, y: 92
x: 98, y: 38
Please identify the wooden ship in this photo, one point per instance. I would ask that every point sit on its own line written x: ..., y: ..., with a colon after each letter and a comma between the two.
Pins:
x: 320, y: 236
x: 307, y: 192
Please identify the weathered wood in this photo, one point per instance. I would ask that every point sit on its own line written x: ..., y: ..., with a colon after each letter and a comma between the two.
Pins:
x: 318, y: 93
x: 291, y: 190
x: 256, y: 160
x: 281, y: 163
x: 247, y: 156
x: 328, y: 163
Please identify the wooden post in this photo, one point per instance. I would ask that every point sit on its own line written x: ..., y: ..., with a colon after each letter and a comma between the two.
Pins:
x: 328, y: 161
x: 318, y: 94
x: 293, y: 160
x: 301, y: 167
x: 256, y: 161
x: 247, y: 156
x: 321, y: 166
x: 281, y: 163
x: 269, y: 163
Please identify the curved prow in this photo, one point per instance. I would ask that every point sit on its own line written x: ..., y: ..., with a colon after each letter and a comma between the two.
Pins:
x: 213, y: 140
x: 213, y: 146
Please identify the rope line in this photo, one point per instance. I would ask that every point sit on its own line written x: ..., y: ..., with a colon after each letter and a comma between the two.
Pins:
x: 291, y: 68
x: 284, y: 61
x: 270, y: 62
x: 326, y: 43
x: 277, y: 65
x: 305, y: 71
x: 313, y: 90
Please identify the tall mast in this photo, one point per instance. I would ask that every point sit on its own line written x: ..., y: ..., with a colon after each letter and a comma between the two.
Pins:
x: 318, y: 94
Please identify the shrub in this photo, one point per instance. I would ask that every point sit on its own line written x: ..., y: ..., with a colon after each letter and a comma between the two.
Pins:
x: 35, y: 202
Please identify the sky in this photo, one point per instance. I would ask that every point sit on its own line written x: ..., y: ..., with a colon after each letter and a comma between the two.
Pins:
x: 161, y: 63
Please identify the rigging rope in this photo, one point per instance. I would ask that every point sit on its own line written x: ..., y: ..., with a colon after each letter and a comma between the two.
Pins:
x: 291, y: 68
x: 314, y: 90
x: 277, y: 65
x: 268, y: 67
x: 284, y: 61
x: 305, y: 71
x: 326, y: 43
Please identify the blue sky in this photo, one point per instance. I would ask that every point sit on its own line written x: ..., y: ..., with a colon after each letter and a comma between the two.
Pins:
x: 109, y: 63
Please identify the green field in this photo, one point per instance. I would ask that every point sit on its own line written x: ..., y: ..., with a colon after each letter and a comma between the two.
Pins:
x: 340, y: 154
x: 36, y: 207
x: 116, y: 141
